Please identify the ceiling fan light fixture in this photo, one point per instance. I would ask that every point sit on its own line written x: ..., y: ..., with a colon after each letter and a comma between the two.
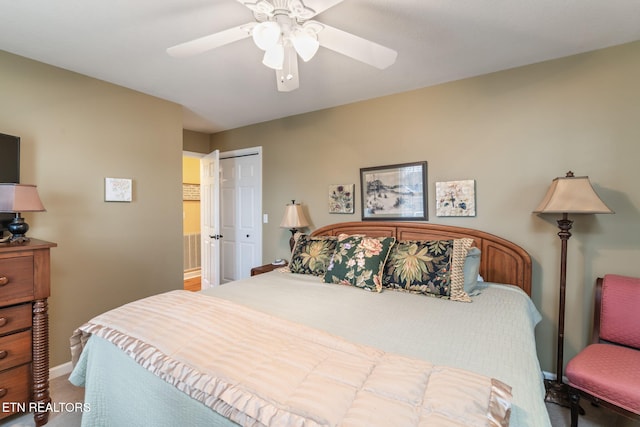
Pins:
x: 266, y: 34
x: 285, y: 30
x: 274, y: 57
x: 305, y: 43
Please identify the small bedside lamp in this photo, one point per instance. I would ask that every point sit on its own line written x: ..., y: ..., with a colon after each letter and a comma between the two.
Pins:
x: 293, y: 220
x: 16, y: 198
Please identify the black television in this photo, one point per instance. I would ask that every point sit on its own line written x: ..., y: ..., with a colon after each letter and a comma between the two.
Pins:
x: 9, y: 169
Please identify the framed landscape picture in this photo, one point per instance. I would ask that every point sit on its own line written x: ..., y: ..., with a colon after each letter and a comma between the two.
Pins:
x: 394, y: 192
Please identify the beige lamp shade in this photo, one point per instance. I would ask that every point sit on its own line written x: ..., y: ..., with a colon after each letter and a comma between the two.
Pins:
x: 294, y: 217
x: 572, y: 194
x: 17, y: 198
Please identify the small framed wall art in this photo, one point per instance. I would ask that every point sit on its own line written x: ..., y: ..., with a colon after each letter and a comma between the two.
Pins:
x: 190, y: 192
x: 117, y: 190
x: 456, y: 198
x: 341, y: 198
x: 395, y: 192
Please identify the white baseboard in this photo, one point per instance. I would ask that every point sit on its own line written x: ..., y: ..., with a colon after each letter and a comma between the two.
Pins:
x: 60, y: 370
x: 552, y: 377
x: 190, y: 274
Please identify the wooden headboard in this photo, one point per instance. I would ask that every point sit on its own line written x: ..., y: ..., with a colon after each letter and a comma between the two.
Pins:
x: 501, y: 261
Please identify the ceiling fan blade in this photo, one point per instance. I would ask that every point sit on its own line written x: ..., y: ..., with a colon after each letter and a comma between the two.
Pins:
x: 355, y: 47
x: 288, y: 78
x: 212, y: 41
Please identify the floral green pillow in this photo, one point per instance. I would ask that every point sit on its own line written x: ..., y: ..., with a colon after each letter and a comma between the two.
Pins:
x: 359, y: 261
x: 430, y: 267
x: 311, y: 255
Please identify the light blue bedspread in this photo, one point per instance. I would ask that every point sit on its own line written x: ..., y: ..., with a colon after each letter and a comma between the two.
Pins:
x: 493, y: 336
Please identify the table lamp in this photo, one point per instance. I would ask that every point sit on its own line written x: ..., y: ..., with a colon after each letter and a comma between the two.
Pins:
x: 294, y: 219
x: 17, y: 198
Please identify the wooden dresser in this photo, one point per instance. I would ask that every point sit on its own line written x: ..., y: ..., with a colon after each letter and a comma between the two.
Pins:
x: 24, y: 328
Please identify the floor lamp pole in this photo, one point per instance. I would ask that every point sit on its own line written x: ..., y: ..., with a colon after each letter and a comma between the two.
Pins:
x: 575, y: 195
x: 557, y: 390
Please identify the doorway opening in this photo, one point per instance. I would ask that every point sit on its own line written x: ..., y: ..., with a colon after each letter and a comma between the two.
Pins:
x: 238, y: 244
x: 191, y: 233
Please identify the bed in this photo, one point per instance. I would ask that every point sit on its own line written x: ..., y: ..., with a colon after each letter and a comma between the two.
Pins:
x: 469, y: 351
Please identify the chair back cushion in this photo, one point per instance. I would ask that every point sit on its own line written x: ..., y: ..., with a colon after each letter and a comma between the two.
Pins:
x: 620, y: 310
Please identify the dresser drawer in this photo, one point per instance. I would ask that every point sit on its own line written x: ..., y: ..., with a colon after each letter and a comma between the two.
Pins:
x: 15, y: 349
x: 16, y: 278
x: 14, y: 389
x: 15, y: 318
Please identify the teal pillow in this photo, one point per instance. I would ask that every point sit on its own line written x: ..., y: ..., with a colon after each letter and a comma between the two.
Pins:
x: 359, y: 261
x: 311, y: 255
x: 471, y: 269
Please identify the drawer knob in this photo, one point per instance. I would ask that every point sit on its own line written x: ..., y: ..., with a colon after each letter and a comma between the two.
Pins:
x: 3, y: 321
x: 3, y: 354
x: 4, y: 280
x: 3, y: 392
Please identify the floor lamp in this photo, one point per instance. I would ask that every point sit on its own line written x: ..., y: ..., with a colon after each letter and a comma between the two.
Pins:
x: 567, y: 195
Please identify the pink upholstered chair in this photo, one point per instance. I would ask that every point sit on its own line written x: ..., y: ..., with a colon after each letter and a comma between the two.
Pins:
x: 608, y: 371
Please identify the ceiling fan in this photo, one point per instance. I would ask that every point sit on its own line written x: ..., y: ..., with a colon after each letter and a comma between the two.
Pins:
x: 284, y: 30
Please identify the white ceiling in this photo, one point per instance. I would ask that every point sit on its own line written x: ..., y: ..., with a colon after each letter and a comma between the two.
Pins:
x: 124, y: 42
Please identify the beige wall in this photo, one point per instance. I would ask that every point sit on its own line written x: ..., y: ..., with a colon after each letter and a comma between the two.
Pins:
x: 513, y: 132
x: 75, y: 132
x: 196, y: 142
